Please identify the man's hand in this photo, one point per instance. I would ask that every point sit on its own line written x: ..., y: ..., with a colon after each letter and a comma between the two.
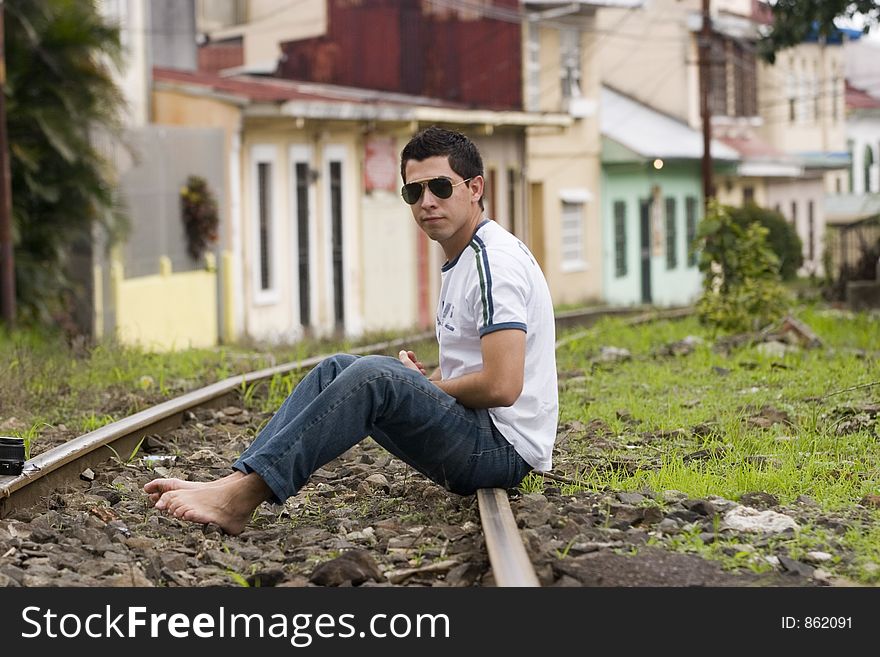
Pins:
x: 409, y: 359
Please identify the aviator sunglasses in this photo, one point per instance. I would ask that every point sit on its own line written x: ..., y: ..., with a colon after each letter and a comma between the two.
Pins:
x: 440, y: 187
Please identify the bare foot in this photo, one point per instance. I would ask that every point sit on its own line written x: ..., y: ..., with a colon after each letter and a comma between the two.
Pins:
x: 157, y: 487
x: 228, y: 502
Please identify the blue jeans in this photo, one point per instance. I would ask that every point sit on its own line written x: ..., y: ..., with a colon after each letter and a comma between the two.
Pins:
x: 347, y: 398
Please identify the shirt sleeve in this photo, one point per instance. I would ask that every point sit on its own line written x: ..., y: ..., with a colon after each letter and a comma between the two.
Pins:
x: 500, y: 293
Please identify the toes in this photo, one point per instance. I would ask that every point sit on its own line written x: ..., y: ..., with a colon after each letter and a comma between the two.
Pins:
x: 154, y: 485
x: 167, y: 501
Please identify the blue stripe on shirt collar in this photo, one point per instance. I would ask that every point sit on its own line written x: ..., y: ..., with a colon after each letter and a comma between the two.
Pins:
x: 450, y: 264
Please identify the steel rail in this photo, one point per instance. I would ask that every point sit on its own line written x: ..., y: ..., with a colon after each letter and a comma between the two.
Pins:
x: 48, y: 471
x: 511, y: 565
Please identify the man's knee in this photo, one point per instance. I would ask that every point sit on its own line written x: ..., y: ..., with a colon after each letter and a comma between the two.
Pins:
x: 373, y: 366
x: 337, y: 362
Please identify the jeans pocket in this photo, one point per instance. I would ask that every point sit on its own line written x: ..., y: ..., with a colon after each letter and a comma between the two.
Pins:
x: 494, y: 467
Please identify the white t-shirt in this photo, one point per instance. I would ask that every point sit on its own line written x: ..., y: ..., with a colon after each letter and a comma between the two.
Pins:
x: 495, y: 284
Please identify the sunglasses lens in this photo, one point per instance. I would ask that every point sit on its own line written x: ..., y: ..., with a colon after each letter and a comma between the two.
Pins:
x: 411, y: 193
x: 440, y: 187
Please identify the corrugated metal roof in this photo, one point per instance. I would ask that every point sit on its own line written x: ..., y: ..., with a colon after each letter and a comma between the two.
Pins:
x: 274, y: 97
x: 652, y: 134
x: 848, y: 208
x: 266, y: 89
x: 625, y: 4
x: 858, y: 99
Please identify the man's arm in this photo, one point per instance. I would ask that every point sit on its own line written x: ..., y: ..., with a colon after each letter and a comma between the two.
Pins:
x: 500, y: 381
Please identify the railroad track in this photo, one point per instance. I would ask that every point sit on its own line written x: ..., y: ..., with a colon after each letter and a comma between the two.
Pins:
x: 56, y: 467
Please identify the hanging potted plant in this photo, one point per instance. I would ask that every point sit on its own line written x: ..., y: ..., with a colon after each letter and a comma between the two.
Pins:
x: 199, y: 213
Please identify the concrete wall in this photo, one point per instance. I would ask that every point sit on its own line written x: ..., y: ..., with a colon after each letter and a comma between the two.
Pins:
x: 649, y: 54
x: 166, y: 311
x: 162, y: 159
x: 146, y: 306
x: 802, y: 193
x: 171, y: 108
x: 390, y: 263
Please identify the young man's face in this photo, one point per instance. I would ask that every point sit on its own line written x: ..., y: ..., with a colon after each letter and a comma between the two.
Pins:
x: 450, y: 221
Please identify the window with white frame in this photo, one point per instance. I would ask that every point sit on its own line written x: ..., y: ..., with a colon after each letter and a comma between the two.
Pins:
x: 791, y: 95
x: 533, y: 68
x: 572, y: 235
x: 671, y: 234
x: 336, y: 257
x: 851, y: 149
x: 264, y: 260
x: 302, y: 186
x: 803, y: 94
x: 264, y: 219
x: 835, y: 97
x: 690, y: 209
x: 811, y: 231
x: 570, y: 61
x: 620, y: 239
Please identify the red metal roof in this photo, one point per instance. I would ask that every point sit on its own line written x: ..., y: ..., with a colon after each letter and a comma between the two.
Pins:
x: 245, y: 87
x: 276, y: 90
x: 751, y: 147
x: 859, y: 99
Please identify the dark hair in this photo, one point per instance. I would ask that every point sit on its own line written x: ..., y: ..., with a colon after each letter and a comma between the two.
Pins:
x: 464, y: 156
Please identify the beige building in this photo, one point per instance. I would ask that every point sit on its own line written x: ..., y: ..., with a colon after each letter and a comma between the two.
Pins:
x: 319, y: 240
x: 564, y: 228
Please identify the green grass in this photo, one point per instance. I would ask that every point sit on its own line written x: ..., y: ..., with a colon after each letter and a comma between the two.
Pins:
x: 692, y: 423
x: 44, y: 383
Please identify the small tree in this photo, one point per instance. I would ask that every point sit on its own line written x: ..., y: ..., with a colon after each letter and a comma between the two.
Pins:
x: 782, y: 236
x: 741, y: 284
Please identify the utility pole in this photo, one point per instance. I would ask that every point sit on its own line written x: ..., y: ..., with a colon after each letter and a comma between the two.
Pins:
x: 7, y: 268
x: 704, y: 42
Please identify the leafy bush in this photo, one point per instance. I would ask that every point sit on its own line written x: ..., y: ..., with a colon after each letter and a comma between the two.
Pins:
x: 742, y: 290
x: 782, y: 236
